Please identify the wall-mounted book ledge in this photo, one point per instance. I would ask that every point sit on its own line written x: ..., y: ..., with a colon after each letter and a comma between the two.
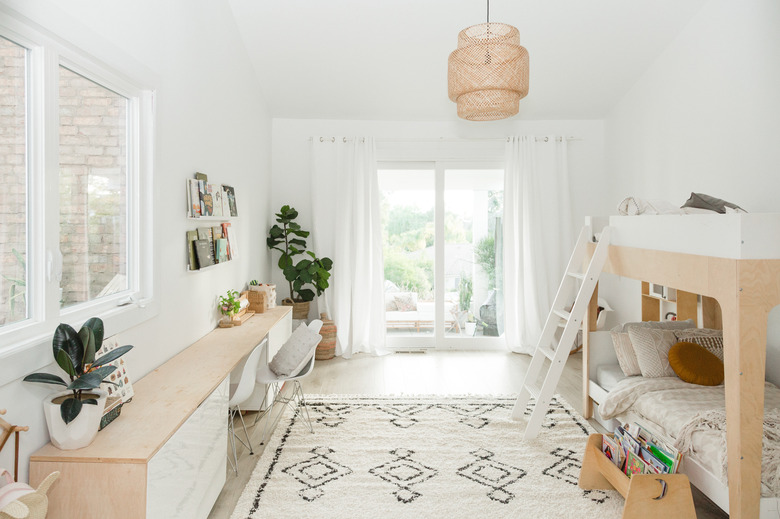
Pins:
x: 648, y: 496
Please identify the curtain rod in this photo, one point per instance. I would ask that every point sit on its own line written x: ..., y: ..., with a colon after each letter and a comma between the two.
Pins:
x: 445, y: 139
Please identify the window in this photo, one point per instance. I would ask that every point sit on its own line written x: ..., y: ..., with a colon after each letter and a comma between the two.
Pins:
x: 75, y: 166
x: 93, y: 189
x: 442, y: 245
x: 13, y: 174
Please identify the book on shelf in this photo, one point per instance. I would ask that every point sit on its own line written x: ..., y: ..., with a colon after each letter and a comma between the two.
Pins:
x: 216, y: 232
x: 194, y: 198
x: 230, y: 194
x: 192, y: 237
x: 202, y: 176
x: 221, y: 248
x: 226, y: 234
x: 204, y: 253
x: 643, y: 451
x: 208, y: 200
x: 201, y: 192
x: 216, y: 193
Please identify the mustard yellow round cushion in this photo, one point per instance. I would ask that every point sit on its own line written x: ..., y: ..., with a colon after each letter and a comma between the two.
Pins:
x: 695, y: 365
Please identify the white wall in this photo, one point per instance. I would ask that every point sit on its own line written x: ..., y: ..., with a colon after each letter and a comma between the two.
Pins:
x: 291, y: 167
x: 705, y: 117
x: 210, y: 118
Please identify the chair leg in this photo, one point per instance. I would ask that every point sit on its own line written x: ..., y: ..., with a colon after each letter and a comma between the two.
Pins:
x: 243, y: 424
x: 270, y: 412
x: 232, y: 438
x: 302, y: 404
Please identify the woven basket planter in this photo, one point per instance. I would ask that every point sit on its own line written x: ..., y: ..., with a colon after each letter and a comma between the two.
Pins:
x: 326, y: 349
x: 300, y: 310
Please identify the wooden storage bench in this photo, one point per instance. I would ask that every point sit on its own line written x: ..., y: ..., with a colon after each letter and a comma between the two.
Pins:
x: 647, y: 495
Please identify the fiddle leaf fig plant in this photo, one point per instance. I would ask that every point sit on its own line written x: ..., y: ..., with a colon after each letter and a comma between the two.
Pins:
x: 287, y: 237
x: 74, y: 352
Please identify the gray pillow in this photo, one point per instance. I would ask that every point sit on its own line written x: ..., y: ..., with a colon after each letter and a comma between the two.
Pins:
x: 702, y: 201
x: 296, y: 352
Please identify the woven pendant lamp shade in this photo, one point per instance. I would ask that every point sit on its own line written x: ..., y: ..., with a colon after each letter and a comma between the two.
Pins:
x: 488, y: 72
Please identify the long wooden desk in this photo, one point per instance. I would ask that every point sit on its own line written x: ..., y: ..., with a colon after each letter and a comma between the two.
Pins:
x: 109, y: 477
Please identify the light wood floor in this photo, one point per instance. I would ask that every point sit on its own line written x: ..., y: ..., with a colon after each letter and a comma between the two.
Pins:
x: 440, y: 372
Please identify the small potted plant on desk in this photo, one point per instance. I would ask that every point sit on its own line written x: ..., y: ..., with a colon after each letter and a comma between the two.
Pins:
x: 289, y: 240
x: 229, y: 306
x: 73, y: 416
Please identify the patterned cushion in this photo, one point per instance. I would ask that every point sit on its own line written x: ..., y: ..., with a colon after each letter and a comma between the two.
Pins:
x: 663, y: 325
x: 695, y: 365
x: 625, y: 353
x: 296, y: 353
x: 651, y: 346
x: 405, y: 301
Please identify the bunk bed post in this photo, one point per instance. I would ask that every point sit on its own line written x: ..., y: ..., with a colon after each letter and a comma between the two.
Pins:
x: 588, y: 325
x: 744, y: 332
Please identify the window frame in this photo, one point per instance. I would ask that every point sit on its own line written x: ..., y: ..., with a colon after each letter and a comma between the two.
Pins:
x: 439, y: 339
x: 27, y: 342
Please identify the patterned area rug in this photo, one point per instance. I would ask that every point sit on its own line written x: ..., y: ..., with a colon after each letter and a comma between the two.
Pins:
x: 423, y: 457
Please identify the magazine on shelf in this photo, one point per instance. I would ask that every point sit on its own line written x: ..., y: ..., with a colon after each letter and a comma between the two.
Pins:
x: 644, y: 451
x: 194, y: 198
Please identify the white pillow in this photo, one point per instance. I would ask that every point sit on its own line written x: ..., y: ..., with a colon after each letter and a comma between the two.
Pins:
x: 296, y: 352
x: 625, y: 352
x: 652, y: 346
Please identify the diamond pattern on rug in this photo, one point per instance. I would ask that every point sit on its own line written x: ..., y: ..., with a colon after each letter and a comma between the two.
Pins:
x: 492, y: 474
x: 567, y: 468
x: 316, y: 472
x: 404, y: 472
x: 472, y: 414
x: 331, y: 415
x: 404, y: 413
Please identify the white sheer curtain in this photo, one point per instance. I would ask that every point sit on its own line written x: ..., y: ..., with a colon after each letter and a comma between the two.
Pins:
x: 346, y: 228
x: 537, y: 234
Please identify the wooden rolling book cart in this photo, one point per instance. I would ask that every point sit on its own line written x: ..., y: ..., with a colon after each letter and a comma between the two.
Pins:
x: 647, y: 495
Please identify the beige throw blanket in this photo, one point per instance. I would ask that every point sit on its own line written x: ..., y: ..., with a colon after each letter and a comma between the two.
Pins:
x: 716, y: 420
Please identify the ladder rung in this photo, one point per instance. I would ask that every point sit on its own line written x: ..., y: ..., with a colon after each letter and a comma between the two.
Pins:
x: 562, y: 314
x: 533, y: 390
x: 547, y: 351
x: 578, y: 275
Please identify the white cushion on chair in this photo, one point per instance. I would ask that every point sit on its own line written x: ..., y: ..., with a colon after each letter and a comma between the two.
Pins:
x: 296, y: 352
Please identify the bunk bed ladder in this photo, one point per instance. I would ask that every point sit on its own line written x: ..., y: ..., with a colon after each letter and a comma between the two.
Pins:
x: 577, y: 286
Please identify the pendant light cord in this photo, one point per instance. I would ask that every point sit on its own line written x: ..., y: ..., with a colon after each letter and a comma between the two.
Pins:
x: 488, y: 12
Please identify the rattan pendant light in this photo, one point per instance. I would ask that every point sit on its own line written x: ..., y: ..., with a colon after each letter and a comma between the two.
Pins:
x: 488, y: 72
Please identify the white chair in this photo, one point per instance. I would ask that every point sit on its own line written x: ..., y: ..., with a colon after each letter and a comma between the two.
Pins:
x: 240, y: 393
x: 266, y: 376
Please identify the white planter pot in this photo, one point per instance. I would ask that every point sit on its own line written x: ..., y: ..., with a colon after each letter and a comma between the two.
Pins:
x: 81, y: 431
x: 471, y: 328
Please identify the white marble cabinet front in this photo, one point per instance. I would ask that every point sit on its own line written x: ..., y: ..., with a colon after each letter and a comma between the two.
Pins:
x: 187, y: 474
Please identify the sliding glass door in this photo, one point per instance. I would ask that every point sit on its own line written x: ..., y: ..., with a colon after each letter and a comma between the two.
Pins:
x: 442, y: 246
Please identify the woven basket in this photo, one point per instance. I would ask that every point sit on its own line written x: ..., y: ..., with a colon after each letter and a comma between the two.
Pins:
x: 326, y: 349
x: 300, y: 310
x: 257, y: 301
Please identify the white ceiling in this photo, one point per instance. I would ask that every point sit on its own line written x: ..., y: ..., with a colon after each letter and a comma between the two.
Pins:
x: 387, y: 59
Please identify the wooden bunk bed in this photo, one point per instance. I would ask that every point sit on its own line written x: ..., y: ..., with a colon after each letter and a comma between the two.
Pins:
x: 741, y: 271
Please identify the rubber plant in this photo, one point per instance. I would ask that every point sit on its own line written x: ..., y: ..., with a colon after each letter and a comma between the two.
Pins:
x: 287, y: 237
x: 75, y: 354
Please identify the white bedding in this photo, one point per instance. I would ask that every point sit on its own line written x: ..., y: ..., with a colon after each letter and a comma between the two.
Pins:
x: 670, y: 404
x: 633, y: 206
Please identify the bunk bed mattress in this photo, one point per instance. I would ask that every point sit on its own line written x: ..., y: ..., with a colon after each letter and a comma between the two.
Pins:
x: 668, y: 404
x: 735, y: 236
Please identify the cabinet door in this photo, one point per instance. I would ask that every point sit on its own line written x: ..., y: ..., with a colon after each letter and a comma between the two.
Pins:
x: 186, y: 475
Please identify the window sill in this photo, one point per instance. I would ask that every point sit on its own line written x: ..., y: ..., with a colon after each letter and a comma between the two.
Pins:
x: 31, y: 353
